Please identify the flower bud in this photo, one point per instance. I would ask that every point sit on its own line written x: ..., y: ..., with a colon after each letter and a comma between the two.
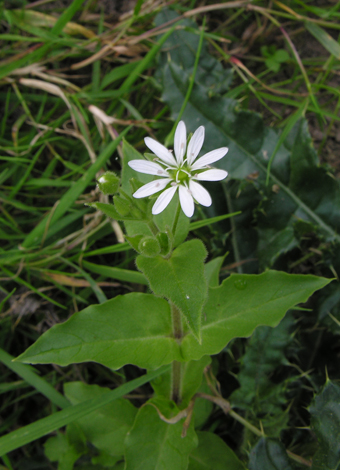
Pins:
x: 108, y: 183
x: 149, y: 247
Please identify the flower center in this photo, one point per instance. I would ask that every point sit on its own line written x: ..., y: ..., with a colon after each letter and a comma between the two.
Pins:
x: 182, y: 176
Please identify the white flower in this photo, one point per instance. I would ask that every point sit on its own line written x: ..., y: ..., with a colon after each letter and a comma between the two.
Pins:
x: 181, y: 172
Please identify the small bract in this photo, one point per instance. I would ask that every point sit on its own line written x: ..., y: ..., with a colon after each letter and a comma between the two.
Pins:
x: 180, y: 171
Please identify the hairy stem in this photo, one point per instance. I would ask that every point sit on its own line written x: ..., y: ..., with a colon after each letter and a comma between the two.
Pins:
x: 176, y: 366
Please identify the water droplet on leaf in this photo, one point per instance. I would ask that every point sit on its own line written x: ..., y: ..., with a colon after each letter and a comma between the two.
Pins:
x: 240, y: 284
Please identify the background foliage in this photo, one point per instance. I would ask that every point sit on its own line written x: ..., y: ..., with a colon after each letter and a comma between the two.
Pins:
x: 264, y: 81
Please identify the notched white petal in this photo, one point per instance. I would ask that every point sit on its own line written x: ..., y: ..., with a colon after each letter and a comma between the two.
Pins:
x: 180, y: 141
x: 162, y: 152
x: 200, y: 194
x: 151, y: 188
x: 195, y: 144
x: 186, y: 200
x: 212, y: 175
x: 163, y: 200
x: 209, y: 158
x: 149, y: 168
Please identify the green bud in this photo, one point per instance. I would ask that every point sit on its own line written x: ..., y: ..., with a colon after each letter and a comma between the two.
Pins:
x: 108, y: 183
x: 149, y: 247
x: 122, y: 205
x: 134, y: 241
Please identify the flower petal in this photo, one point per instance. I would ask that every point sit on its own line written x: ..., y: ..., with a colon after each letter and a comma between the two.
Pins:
x: 186, y: 200
x: 200, y: 194
x: 180, y: 142
x: 210, y: 157
x: 160, y: 151
x: 195, y: 144
x: 151, y: 188
x: 211, y: 175
x: 150, y: 168
x: 163, y: 200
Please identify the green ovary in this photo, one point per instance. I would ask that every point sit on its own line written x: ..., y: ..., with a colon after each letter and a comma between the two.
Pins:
x: 182, y: 176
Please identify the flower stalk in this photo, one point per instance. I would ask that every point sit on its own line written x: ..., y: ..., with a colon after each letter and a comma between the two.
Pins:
x: 176, y: 379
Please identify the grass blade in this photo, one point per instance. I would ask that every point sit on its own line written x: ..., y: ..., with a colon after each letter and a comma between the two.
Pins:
x: 72, y: 194
x: 51, y: 423
x: 30, y: 375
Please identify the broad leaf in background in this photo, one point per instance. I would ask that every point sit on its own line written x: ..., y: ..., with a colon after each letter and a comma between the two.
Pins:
x: 325, y: 422
x: 157, y: 445
x: 262, y: 398
x: 105, y: 428
x: 106, y: 334
x: 305, y: 190
x: 213, y: 453
x: 180, y: 279
x: 269, y: 454
x: 66, y: 448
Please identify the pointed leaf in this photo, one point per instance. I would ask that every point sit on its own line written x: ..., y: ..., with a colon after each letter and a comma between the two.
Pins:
x: 269, y: 454
x: 157, y: 445
x: 180, y: 279
x: 130, y: 329
x: 213, y: 453
x: 325, y: 412
x: 105, y: 428
x: 245, y: 301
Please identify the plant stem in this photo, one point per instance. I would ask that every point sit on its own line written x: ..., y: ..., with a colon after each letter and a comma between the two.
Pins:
x: 153, y: 227
x: 174, y: 225
x: 176, y: 366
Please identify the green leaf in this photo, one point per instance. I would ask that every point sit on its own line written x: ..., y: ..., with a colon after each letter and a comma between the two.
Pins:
x: 281, y: 55
x: 40, y: 428
x: 105, y: 428
x: 213, y: 453
x: 157, y: 445
x: 269, y: 454
x: 129, y: 329
x: 58, y: 449
x: 191, y: 377
x: 109, y: 210
x: 137, y: 328
x: 258, y: 395
x: 324, y: 38
x: 245, y: 301
x: 180, y: 279
x: 212, y: 271
x: 120, y: 274
x: 249, y: 151
x: 325, y: 422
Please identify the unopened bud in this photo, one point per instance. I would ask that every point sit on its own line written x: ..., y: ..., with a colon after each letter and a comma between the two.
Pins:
x: 108, y: 183
x: 149, y: 247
